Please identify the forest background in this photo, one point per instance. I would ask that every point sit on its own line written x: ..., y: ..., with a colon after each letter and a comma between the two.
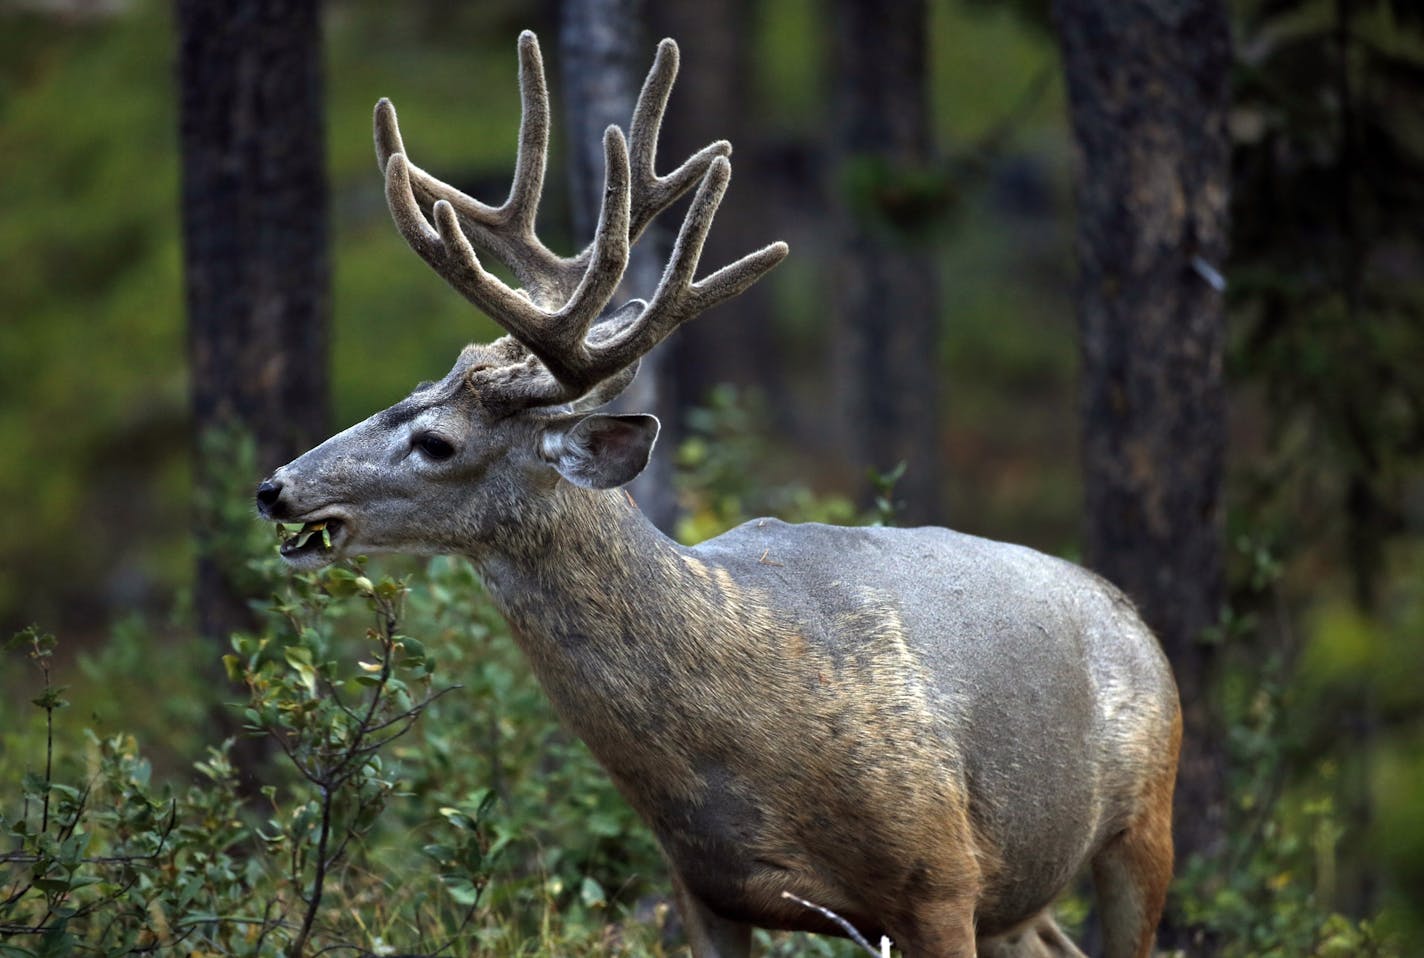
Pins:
x: 115, y: 492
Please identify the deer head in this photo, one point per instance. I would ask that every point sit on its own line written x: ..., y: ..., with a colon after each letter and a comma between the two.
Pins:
x: 460, y: 459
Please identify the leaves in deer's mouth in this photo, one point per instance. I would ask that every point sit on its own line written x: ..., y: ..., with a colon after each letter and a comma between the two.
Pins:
x: 304, y: 535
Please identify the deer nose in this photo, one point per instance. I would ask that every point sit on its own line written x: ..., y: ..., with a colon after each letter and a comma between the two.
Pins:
x: 269, y: 492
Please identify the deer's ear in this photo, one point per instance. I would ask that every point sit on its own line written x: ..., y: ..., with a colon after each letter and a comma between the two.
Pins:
x: 599, y: 451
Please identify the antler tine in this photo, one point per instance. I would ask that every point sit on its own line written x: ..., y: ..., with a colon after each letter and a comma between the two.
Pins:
x: 427, y: 189
x: 569, y: 326
x: 446, y: 248
x: 652, y: 193
x: 555, y: 337
x: 505, y: 231
x: 678, y: 298
x: 523, y: 202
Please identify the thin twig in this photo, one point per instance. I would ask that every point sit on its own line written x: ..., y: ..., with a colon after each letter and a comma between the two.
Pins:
x: 230, y: 920
x: 268, y: 924
x: 318, y: 879
x: 414, y: 711
x: 849, y: 929
x: 49, y: 755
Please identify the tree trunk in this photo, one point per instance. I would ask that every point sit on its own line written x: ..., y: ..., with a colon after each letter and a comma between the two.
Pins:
x: 1148, y: 92
x: 603, y: 59
x: 886, y: 342
x: 255, y: 245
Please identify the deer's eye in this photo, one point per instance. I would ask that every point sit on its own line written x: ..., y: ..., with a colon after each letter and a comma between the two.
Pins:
x: 433, y: 447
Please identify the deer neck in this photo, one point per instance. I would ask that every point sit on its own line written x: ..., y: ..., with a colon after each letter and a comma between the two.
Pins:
x: 611, y: 615
x: 586, y: 563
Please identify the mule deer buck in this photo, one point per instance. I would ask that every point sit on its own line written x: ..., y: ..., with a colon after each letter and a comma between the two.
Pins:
x: 925, y: 732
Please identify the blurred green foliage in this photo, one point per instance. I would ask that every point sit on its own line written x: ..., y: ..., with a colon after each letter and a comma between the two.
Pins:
x: 92, y: 366
x: 1328, y: 289
x: 726, y: 472
x: 1327, y: 303
x: 1275, y: 891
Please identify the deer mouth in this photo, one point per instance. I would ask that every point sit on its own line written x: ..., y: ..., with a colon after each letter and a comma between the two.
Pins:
x: 315, y: 544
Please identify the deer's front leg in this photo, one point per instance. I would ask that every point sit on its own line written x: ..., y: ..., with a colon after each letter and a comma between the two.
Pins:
x: 942, y: 929
x: 708, y: 934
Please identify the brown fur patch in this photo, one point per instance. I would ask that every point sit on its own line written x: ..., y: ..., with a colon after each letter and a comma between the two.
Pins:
x: 1131, y: 874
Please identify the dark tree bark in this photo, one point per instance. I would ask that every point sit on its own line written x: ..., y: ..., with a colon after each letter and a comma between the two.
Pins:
x: 603, y: 58
x: 884, y: 369
x: 1148, y: 91
x: 255, y: 241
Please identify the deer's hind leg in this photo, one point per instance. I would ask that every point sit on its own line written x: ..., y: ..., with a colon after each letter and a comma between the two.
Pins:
x: 1132, y: 872
x: 1040, y: 938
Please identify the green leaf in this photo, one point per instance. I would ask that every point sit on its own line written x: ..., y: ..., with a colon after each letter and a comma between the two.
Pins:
x: 34, y: 784
x: 57, y: 940
x: 41, y: 644
x: 591, y: 893
x: 465, y: 892
x: 67, y: 791
x: 439, y: 853
x: 457, y: 818
x: 300, y: 659
x: 341, y: 583
x: 413, y: 652
x: 51, y: 699
x: 53, y: 886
